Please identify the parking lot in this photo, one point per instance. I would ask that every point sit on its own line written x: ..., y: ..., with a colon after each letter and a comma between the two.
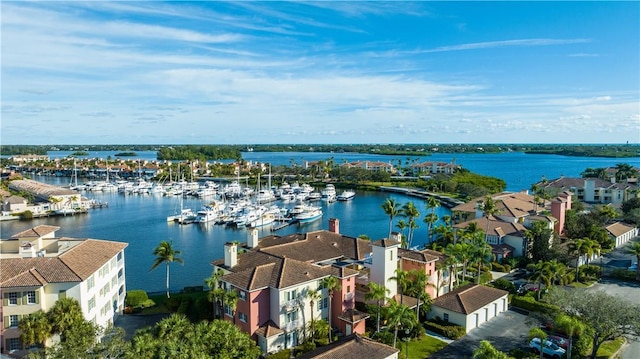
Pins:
x: 507, y: 331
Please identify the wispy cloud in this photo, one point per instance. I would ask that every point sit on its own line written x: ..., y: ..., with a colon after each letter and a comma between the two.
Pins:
x: 508, y: 43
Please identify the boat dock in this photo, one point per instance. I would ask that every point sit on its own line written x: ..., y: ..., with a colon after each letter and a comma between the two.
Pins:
x: 444, y: 200
x: 284, y: 225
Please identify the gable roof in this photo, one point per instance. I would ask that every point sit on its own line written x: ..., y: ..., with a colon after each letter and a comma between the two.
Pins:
x: 617, y: 229
x: 35, y: 232
x: 352, y: 346
x: 496, y: 227
x: 513, y: 204
x: 75, y: 265
x: 468, y: 298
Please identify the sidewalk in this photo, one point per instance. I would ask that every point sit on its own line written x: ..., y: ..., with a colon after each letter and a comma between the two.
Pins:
x: 439, y: 337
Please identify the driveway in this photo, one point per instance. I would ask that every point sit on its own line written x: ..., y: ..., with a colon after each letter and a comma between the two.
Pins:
x: 132, y: 322
x: 507, y: 331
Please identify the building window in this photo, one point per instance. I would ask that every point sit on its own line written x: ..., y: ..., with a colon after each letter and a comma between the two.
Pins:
x: 14, y: 344
x: 13, y: 298
x: 114, y: 263
x: 114, y: 282
x: 325, y: 303
x: 119, y: 256
x: 242, y: 317
x: 445, y: 317
x: 121, y: 290
x: 291, y: 295
x: 13, y: 321
x: 120, y: 273
x: 90, y: 282
x: 227, y: 310
x: 31, y: 297
x: 92, y: 303
x: 242, y: 295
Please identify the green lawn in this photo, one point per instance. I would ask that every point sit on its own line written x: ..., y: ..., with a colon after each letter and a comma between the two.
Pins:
x: 420, y: 348
x: 608, y: 348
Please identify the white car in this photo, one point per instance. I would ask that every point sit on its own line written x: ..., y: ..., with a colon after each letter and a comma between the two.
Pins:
x: 550, y: 348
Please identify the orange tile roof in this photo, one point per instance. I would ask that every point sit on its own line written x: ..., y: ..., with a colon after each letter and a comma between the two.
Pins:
x: 87, y: 257
x: 35, y: 232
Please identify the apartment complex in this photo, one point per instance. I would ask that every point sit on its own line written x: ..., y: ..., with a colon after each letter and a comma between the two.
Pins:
x: 37, y: 269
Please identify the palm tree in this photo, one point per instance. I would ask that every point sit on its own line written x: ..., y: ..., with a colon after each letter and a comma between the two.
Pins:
x: 214, y: 290
x: 489, y: 209
x: 377, y: 292
x: 430, y: 219
x: 482, y: 255
x: 417, y: 282
x: 392, y: 209
x: 634, y: 248
x: 165, y: 253
x: 314, y: 296
x: 231, y: 299
x: 572, y: 326
x: 64, y: 315
x: 584, y: 246
x: 541, y: 273
x: 35, y: 329
x: 400, y: 316
x: 462, y: 253
x: 410, y: 211
x: 402, y: 280
x: 331, y: 283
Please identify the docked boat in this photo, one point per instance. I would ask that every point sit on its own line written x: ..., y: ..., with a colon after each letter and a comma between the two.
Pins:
x: 346, y: 195
x: 329, y: 193
x: 206, y: 214
x: 308, y: 214
x: 265, y: 219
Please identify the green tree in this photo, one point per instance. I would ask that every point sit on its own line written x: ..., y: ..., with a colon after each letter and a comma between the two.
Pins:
x: 572, y: 326
x: 331, y: 283
x: 489, y: 209
x: 609, y: 316
x: 377, y: 292
x: 410, y: 211
x: 541, y: 273
x: 540, y: 334
x: 431, y: 218
x: 417, y: 283
x: 65, y: 314
x: 400, y: 316
x: 539, y: 238
x: 35, y: 329
x: 215, y: 292
x: 392, y: 209
x: 487, y: 351
x: 165, y: 253
x: 402, y: 280
x: 231, y: 300
x: 634, y: 248
x: 314, y: 297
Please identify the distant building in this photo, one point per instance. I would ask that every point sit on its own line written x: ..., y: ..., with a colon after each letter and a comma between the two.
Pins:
x: 594, y: 190
x: 371, y: 166
x: 37, y: 268
x: 432, y: 168
x: 29, y: 158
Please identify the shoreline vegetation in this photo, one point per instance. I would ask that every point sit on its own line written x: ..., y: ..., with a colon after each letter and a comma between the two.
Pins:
x: 219, y: 152
x: 126, y: 154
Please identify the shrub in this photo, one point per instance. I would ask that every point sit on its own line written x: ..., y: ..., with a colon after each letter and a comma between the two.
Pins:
x: 623, y: 274
x: 136, y: 298
x: 529, y: 303
x: 504, y: 284
x: 589, y: 272
x: 184, y: 305
x: 26, y: 215
x: 283, y: 354
x: 173, y: 303
x: 519, y: 353
x: 497, y: 267
x: 449, y: 330
x: 384, y: 336
x: 307, y: 346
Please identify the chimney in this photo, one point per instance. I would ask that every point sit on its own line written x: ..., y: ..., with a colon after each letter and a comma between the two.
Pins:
x: 252, y: 237
x: 230, y: 254
x: 396, y: 236
x: 334, y: 225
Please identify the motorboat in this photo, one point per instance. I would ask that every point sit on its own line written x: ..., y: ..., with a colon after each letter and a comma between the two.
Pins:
x: 346, y: 195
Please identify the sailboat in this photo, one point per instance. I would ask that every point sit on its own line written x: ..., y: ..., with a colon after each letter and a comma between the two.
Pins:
x: 184, y: 216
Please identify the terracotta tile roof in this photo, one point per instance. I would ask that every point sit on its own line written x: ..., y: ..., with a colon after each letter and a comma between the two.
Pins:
x: 353, y: 346
x: 568, y: 183
x: 468, y: 298
x: 75, y: 265
x: 420, y: 256
x: 317, y: 246
x: 35, y: 232
x: 496, y: 227
x: 513, y: 204
x: 617, y: 229
x: 269, y: 329
x: 34, y: 272
x: 385, y: 243
x: 343, y: 272
x: 353, y: 316
x: 87, y: 257
x: 41, y: 189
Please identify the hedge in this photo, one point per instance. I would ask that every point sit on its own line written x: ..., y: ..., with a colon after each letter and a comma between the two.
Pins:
x: 531, y: 304
x: 136, y: 298
x: 449, y: 330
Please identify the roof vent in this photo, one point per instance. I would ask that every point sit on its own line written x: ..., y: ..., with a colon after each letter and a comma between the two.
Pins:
x: 334, y: 244
x: 306, y: 273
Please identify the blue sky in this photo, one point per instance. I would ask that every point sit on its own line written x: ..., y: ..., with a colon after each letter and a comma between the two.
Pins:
x: 320, y: 72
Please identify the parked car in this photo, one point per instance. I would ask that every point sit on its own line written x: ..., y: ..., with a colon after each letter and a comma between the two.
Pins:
x: 559, y: 341
x: 550, y: 348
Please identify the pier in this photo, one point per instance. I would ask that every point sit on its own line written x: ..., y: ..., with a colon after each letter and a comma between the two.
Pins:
x: 283, y: 225
x: 446, y: 201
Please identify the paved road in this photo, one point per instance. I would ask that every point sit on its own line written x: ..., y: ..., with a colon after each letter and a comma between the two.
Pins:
x: 506, y: 331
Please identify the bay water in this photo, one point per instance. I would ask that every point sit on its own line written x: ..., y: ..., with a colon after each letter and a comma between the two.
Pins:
x: 140, y: 220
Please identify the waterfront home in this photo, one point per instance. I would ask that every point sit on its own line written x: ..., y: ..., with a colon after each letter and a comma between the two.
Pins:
x: 470, y: 306
x: 431, y: 168
x: 516, y: 211
x: 37, y: 268
x: 371, y: 166
x: 594, y: 190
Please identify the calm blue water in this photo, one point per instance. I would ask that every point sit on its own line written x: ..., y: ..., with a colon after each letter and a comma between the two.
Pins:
x: 141, y: 220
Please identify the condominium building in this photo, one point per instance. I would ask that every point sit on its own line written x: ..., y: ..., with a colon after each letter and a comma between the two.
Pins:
x: 37, y: 268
